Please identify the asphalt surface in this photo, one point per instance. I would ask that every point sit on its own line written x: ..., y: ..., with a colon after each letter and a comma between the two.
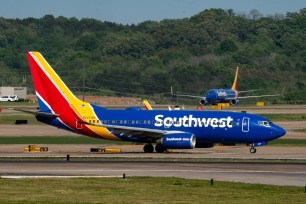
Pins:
x: 264, y: 173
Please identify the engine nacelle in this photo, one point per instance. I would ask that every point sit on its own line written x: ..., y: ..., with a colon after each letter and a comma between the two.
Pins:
x: 203, y: 102
x: 179, y: 141
x: 234, y: 101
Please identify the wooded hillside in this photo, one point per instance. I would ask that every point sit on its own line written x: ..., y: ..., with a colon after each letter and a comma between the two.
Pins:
x: 192, y: 54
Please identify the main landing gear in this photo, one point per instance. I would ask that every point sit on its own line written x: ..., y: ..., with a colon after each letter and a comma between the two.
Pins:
x: 159, y: 148
x: 253, y: 150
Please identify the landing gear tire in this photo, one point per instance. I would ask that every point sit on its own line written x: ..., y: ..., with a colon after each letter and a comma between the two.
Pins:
x: 148, y: 148
x: 159, y: 148
x: 253, y: 150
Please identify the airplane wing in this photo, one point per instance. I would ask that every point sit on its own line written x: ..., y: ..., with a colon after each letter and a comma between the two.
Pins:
x: 260, y: 96
x: 137, y: 132
x: 247, y: 91
x: 44, y: 114
x: 185, y: 95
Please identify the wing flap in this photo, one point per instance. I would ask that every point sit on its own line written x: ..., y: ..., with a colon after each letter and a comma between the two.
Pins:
x: 137, y: 132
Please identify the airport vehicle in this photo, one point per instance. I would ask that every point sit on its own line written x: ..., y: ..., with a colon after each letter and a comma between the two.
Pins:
x: 9, y: 98
x: 179, y: 129
x: 215, y: 96
x: 34, y: 148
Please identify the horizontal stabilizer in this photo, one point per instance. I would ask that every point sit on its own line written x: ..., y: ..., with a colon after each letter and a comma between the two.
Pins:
x: 44, y: 114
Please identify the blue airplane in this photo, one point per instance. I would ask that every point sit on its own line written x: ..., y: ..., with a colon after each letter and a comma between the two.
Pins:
x: 180, y: 129
x: 215, y: 96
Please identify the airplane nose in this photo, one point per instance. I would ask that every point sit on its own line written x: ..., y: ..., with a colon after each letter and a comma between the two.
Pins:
x: 279, y: 131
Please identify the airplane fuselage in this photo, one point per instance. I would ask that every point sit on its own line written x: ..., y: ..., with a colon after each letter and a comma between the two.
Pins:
x: 206, y: 126
x: 59, y: 107
x: 214, y: 96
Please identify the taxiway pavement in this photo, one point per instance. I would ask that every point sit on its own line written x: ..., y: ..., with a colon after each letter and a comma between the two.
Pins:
x: 264, y: 173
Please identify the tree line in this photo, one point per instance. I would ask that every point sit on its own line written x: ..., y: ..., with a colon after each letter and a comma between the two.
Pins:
x: 191, y: 54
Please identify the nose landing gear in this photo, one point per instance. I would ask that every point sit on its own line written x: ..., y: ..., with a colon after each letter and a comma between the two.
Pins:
x: 253, y: 150
x: 257, y: 144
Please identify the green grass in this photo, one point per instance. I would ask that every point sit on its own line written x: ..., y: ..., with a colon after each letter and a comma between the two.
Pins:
x: 11, y: 118
x: 143, y: 190
x: 285, y: 117
x: 288, y: 142
x: 18, y: 103
x: 300, y: 130
x: 57, y: 140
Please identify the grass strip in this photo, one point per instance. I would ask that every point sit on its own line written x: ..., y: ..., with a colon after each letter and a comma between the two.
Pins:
x: 143, y: 190
x: 9, y: 119
x: 288, y: 142
x: 285, y: 117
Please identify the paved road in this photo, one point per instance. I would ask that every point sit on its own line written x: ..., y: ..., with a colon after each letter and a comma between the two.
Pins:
x: 265, y: 173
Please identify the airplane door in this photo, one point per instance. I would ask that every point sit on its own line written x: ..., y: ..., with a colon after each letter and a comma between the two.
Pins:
x: 245, y: 124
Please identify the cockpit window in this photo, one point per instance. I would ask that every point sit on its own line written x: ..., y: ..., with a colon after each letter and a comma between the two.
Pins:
x: 265, y: 123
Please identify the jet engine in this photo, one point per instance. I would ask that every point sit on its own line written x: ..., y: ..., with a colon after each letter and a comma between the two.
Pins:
x: 234, y: 101
x: 203, y: 101
x: 179, y: 141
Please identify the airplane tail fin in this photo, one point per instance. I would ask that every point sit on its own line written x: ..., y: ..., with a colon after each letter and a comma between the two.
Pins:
x: 147, y: 105
x: 57, y: 104
x: 235, y: 84
x: 52, y: 93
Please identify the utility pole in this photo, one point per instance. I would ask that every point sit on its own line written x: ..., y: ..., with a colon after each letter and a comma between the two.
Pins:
x: 83, y: 83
